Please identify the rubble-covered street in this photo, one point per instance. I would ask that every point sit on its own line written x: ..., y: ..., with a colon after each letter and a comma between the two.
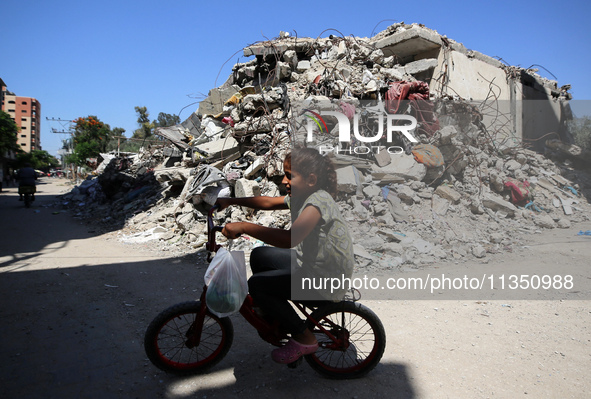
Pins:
x: 79, y: 302
x: 460, y: 135
x: 480, y: 180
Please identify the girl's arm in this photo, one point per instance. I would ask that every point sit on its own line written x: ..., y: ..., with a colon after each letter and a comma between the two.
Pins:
x: 300, y: 229
x: 262, y: 203
x: 304, y: 224
x: 276, y: 237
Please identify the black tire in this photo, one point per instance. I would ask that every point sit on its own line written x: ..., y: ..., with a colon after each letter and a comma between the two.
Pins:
x: 166, y: 340
x: 362, y: 340
x: 27, y: 200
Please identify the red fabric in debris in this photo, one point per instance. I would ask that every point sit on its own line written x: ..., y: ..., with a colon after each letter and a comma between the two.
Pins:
x: 418, y: 95
x: 228, y: 121
x: 520, y: 193
x: 348, y: 110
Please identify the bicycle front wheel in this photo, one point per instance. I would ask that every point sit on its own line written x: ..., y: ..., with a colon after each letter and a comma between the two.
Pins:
x: 358, y: 342
x: 171, y: 345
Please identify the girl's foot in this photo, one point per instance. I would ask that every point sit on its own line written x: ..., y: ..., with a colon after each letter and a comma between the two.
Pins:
x: 292, y: 351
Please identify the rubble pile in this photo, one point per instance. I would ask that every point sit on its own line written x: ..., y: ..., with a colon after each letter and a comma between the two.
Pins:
x: 462, y: 192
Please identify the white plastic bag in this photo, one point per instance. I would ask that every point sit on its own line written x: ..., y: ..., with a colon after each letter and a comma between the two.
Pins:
x: 226, y: 282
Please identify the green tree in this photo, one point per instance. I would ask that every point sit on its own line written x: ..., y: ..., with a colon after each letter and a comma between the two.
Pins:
x: 165, y: 120
x: 90, y: 138
x: 8, y: 134
x: 38, y: 159
x: 132, y: 145
x: 145, y: 126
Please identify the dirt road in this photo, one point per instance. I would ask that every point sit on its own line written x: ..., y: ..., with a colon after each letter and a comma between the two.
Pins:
x: 75, y: 305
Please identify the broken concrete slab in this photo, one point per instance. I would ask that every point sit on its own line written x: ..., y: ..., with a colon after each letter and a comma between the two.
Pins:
x: 478, y: 251
x: 391, y: 235
x: 496, y: 204
x: 372, y: 191
x: 214, y: 103
x: 566, y: 206
x: 225, y: 160
x: 172, y: 174
x: 421, y: 245
x: 439, y: 205
x: 220, y: 148
x: 247, y: 188
x: 394, y: 74
x: 512, y: 165
x: 544, y: 221
x: 254, y: 168
x: 410, y: 42
x: 277, y: 48
x: 358, y: 250
x: 402, y: 167
x: 175, y: 134
x: 348, y: 179
x: 446, y: 134
x: 406, y: 194
x: 303, y: 66
x: 382, y: 157
x: 359, y: 210
x: 448, y: 193
x: 420, y: 66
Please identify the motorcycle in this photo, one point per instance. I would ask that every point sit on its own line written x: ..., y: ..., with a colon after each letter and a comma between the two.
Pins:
x: 28, y: 193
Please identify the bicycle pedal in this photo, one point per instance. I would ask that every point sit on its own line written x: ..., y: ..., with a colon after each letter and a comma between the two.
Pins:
x: 295, y: 364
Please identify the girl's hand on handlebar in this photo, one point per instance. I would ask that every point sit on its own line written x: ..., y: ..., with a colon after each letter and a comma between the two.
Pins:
x: 233, y: 230
x: 223, y: 203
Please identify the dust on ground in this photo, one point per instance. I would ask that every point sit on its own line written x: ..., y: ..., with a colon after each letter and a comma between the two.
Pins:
x: 76, y: 305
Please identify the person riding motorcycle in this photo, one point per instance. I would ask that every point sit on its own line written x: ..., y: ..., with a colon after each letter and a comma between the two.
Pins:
x: 26, y: 178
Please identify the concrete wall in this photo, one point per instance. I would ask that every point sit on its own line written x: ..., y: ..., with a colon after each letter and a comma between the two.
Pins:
x: 541, y: 118
x: 516, y: 110
x: 481, y: 82
x: 471, y: 78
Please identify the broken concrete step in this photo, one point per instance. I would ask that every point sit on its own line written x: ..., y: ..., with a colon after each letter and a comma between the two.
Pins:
x: 220, y: 148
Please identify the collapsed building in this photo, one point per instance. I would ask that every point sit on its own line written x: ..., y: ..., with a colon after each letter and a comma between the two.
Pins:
x: 479, y: 178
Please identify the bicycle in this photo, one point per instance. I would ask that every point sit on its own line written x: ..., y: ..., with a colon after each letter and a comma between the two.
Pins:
x: 187, y: 338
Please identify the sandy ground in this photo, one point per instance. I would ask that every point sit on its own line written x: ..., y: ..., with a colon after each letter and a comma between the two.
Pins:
x: 75, y: 305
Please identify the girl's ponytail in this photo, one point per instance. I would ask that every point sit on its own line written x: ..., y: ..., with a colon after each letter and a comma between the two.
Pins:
x: 331, y: 177
x: 306, y: 161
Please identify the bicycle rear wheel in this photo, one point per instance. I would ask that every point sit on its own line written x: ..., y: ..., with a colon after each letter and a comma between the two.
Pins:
x: 359, y: 345
x: 169, y: 339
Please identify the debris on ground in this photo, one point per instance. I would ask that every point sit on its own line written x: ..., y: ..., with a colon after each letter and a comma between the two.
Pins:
x: 478, y: 182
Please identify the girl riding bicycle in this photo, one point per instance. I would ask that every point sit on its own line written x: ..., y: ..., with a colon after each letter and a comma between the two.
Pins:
x: 322, y: 246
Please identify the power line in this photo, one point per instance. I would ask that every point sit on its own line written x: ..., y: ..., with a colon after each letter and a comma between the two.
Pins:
x: 63, y: 123
x: 58, y: 119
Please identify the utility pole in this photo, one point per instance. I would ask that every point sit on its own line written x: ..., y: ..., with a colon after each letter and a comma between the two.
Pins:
x: 119, y: 142
x: 66, y: 126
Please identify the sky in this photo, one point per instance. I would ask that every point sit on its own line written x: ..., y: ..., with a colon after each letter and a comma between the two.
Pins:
x: 81, y: 58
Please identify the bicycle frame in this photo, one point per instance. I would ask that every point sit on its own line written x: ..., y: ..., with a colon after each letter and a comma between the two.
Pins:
x: 270, y: 332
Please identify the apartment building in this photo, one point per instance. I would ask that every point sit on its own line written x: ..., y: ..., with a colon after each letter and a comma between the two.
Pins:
x: 26, y: 113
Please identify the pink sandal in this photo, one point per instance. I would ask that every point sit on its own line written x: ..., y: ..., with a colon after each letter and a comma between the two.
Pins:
x: 292, y: 351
